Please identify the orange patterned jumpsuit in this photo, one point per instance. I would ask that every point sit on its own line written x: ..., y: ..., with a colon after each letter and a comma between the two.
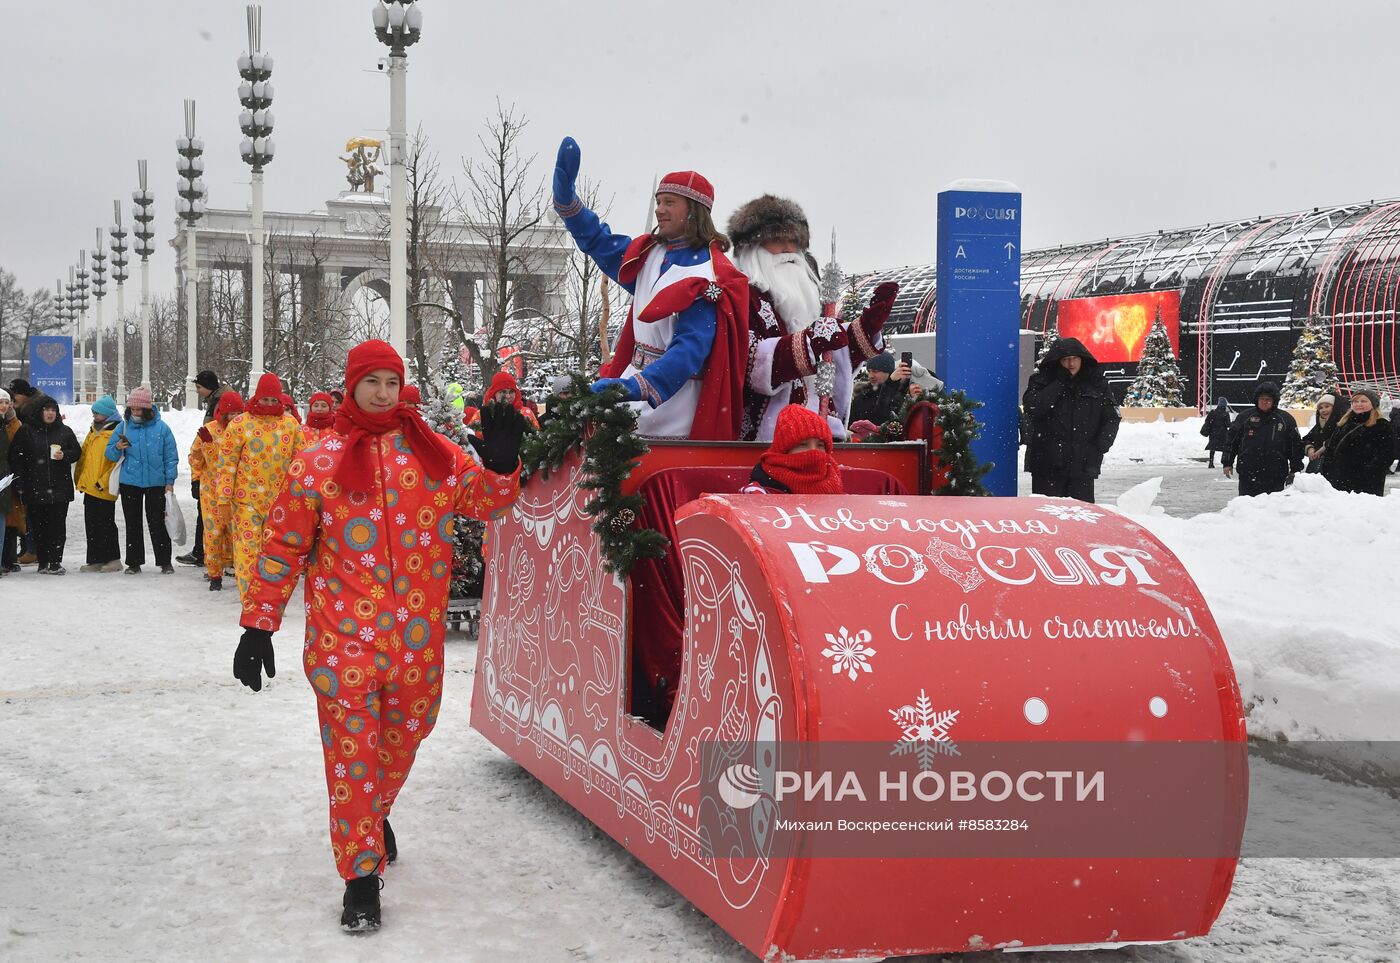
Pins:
x: 204, y: 467
x: 253, y: 456
x: 377, y: 568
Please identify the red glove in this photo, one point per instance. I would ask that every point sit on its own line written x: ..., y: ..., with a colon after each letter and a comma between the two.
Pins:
x: 826, y: 334
x: 873, y: 318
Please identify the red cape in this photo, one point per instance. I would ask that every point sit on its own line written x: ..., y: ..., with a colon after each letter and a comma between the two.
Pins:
x: 721, y: 407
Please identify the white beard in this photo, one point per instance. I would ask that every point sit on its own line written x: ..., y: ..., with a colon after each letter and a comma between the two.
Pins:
x: 787, y: 279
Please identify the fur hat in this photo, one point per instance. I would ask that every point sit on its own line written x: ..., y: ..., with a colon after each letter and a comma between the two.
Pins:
x: 769, y: 217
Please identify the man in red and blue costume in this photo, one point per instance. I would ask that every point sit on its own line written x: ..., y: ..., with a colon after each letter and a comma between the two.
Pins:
x: 682, y: 353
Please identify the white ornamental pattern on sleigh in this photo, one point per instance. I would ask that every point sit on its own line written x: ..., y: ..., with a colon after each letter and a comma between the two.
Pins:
x: 849, y: 653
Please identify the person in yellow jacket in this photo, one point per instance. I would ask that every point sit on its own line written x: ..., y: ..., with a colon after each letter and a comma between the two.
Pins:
x: 254, y: 452
x: 104, y: 552
x: 204, y: 466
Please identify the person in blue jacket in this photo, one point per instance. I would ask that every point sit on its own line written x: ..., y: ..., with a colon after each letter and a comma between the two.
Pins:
x: 149, y: 467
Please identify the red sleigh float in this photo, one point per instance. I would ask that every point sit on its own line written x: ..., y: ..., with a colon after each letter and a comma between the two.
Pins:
x: 879, y: 618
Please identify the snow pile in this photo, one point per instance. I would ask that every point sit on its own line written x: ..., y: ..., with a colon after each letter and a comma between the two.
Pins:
x: 1299, y: 584
x: 1158, y: 442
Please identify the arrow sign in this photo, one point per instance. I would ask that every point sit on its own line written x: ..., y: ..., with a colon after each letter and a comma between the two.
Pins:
x: 1010, y: 250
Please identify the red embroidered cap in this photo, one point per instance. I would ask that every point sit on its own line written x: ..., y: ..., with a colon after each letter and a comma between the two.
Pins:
x: 688, y: 184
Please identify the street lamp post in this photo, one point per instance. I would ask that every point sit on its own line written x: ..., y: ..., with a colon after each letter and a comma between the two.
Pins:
x: 398, y: 24
x: 82, y: 306
x: 255, y: 120
x: 99, y: 290
x: 60, y: 310
x: 142, y: 215
x: 190, y: 208
x: 119, y: 277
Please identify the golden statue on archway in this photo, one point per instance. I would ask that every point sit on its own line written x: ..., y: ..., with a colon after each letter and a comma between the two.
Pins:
x: 364, y: 151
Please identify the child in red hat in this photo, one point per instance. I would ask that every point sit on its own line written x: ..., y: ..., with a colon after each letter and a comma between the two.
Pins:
x: 320, y: 417
x: 799, y: 461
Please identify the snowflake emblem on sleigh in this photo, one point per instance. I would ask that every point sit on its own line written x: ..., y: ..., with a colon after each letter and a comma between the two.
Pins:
x: 924, y: 731
x: 1072, y: 513
x: 849, y: 653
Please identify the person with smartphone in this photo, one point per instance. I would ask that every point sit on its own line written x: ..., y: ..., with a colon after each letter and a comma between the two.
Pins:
x: 882, y: 395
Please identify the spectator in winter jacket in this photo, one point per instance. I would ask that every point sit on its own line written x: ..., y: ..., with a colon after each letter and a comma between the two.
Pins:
x: 104, y: 552
x: 217, y: 549
x: 882, y: 395
x: 206, y: 385
x: 1071, y: 421
x: 798, y: 460
x: 1264, y: 440
x: 254, y: 452
x: 368, y: 515
x: 11, y: 513
x: 1216, y: 428
x: 1361, y: 448
x: 49, y: 450
x: 320, y: 418
x: 1395, y: 431
x: 146, y: 448
x: 504, y: 388
x: 1325, y: 417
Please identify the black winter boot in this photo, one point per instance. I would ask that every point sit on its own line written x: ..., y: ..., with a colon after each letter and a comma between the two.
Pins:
x: 216, y: 585
x: 391, y: 846
x: 361, y: 912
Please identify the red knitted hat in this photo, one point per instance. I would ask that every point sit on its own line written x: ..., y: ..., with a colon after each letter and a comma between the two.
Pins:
x: 268, y: 397
x: 795, y: 425
x: 503, y: 381
x: 689, y: 184
x: 410, y: 395
x: 230, y: 403
x: 370, y: 356
x: 321, y: 396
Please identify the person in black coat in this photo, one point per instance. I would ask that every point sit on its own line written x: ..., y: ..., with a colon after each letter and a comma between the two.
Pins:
x: 1216, y: 428
x: 882, y: 395
x: 49, y: 450
x: 1071, y: 421
x: 1361, y: 448
x: 1325, y: 417
x: 1265, y: 442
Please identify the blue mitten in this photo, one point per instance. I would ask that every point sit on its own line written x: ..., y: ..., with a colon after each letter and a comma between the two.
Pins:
x: 634, y: 391
x: 566, y: 173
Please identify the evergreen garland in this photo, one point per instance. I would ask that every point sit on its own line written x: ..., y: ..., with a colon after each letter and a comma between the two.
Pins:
x: 957, y: 470
x: 604, y: 426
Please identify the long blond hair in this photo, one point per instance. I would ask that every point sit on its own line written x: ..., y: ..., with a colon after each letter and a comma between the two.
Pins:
x: 700, y: 229
x: 1374, y: 417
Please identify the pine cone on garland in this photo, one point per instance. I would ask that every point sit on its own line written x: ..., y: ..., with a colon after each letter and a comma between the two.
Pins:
x: 893, y: 429
x: 622, y: 520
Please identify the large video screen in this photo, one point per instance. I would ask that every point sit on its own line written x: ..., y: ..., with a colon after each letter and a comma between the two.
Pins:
x: 1114, y: 328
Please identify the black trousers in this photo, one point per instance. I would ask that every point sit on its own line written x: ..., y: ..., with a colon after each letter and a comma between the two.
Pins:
x: 50, y: 525
x: 100, y: 522
x: 9, y: 548
x: 151, y: 502
x: 1260, y: 486
x: 198, y: 548
x: 1062, y: 486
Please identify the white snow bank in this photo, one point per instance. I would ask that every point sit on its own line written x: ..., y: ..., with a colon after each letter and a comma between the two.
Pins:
x: 1300, y: 585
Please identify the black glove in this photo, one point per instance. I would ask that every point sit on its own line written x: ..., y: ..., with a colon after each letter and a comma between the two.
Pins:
x: 194, y: 489
x: 254, y: 653
x: 498, y: 445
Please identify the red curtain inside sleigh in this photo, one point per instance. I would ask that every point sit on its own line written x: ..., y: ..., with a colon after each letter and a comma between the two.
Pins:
x: 658, y: 586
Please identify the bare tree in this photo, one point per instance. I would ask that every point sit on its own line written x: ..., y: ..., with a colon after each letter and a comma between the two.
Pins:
x: 22, y: 316
x: 504, y: 201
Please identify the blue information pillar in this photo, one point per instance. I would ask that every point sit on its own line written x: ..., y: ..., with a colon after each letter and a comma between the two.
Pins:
x: 51, y: 366
x: 979, y: 317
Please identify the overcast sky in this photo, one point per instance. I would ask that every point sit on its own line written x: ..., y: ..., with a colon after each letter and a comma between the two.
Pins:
x: 1112, y: 117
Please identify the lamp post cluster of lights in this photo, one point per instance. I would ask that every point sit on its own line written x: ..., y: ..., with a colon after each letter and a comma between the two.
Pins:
x: 190, y: 208
x: 398, y: 24
x: 119, y: 276
x: 99, y: 289
x: 255, y: 120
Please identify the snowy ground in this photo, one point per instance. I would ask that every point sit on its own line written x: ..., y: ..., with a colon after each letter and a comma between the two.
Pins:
x: 155, y: 809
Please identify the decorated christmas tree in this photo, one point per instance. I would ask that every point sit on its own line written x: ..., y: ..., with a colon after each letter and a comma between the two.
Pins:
x: 1158, y: 381
x: 1046, y: 339
x: 1311, y: 370
x: 956, y: 470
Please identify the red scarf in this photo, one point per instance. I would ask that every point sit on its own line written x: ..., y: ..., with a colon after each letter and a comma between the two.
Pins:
x: 360, y: 428
x: 806, y: 473
x: 320, y: 419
